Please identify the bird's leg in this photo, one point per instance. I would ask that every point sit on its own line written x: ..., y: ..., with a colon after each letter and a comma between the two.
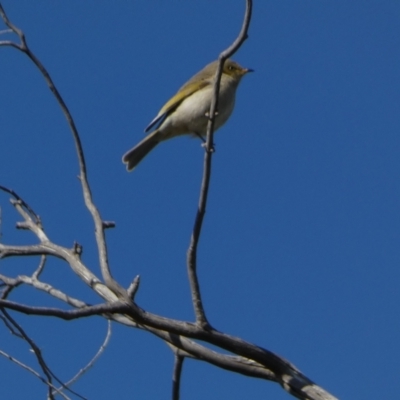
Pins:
x: 200, y: 137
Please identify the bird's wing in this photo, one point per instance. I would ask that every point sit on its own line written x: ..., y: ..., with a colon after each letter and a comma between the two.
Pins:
x: 174, y: 102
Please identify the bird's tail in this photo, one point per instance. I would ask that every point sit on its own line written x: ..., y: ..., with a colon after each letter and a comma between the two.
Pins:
x: 133, y: 157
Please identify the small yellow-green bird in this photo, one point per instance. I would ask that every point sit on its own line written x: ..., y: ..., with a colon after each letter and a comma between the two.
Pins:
x: 187, y: 112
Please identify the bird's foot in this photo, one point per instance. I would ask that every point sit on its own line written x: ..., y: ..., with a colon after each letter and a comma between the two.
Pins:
x: 212, y: 148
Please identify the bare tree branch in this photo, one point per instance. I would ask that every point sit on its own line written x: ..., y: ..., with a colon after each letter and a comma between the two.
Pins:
x: 192, y: 251
x: 285, y: 373
x: 71, y: 256
x: 194, y: 350
x: 117, y: 307
x: 291, y: 379
x: 44, y: 287
x: 23, y: 203
x: 87, y: 195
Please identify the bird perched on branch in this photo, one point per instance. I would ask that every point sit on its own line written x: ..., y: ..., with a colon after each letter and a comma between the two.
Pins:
x: 187, y: 111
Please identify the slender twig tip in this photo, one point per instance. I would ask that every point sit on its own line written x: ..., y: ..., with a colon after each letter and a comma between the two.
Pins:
x: 22, y: 225
x: 77, y: 249
x: 108, y: 224
x: 133, y: 287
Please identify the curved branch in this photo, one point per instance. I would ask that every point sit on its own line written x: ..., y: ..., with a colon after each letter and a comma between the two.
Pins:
x: 194, y: 240
x: 87, y: 195
x: 92, y: 361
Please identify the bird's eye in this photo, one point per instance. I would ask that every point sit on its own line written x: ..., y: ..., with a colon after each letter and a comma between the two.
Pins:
x: 231, y: 68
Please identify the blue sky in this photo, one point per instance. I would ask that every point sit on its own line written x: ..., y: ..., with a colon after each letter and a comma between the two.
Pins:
x: 300, y: 250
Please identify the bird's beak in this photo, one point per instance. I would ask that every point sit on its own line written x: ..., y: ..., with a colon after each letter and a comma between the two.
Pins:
x: 247, y: 70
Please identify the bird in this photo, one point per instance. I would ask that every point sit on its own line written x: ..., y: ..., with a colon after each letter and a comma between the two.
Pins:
x: 186, y: 113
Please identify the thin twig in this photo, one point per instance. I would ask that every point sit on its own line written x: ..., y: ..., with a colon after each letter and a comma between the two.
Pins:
x: 10, y: 327
x: 176, y: 377
x: 32, y: 371
x: 133, y: 287
x: 94, y: 359
x: 34, y: 347
x: 24, y: 204
x: 38, y: 353
x: 192, y: 251
x: 40, y: 268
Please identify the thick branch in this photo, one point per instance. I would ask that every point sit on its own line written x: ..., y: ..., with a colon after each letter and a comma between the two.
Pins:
x: 291, y: 379
x: 238, y: 364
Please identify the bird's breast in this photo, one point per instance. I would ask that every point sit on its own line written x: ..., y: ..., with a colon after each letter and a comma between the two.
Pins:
x: 192, y: 114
